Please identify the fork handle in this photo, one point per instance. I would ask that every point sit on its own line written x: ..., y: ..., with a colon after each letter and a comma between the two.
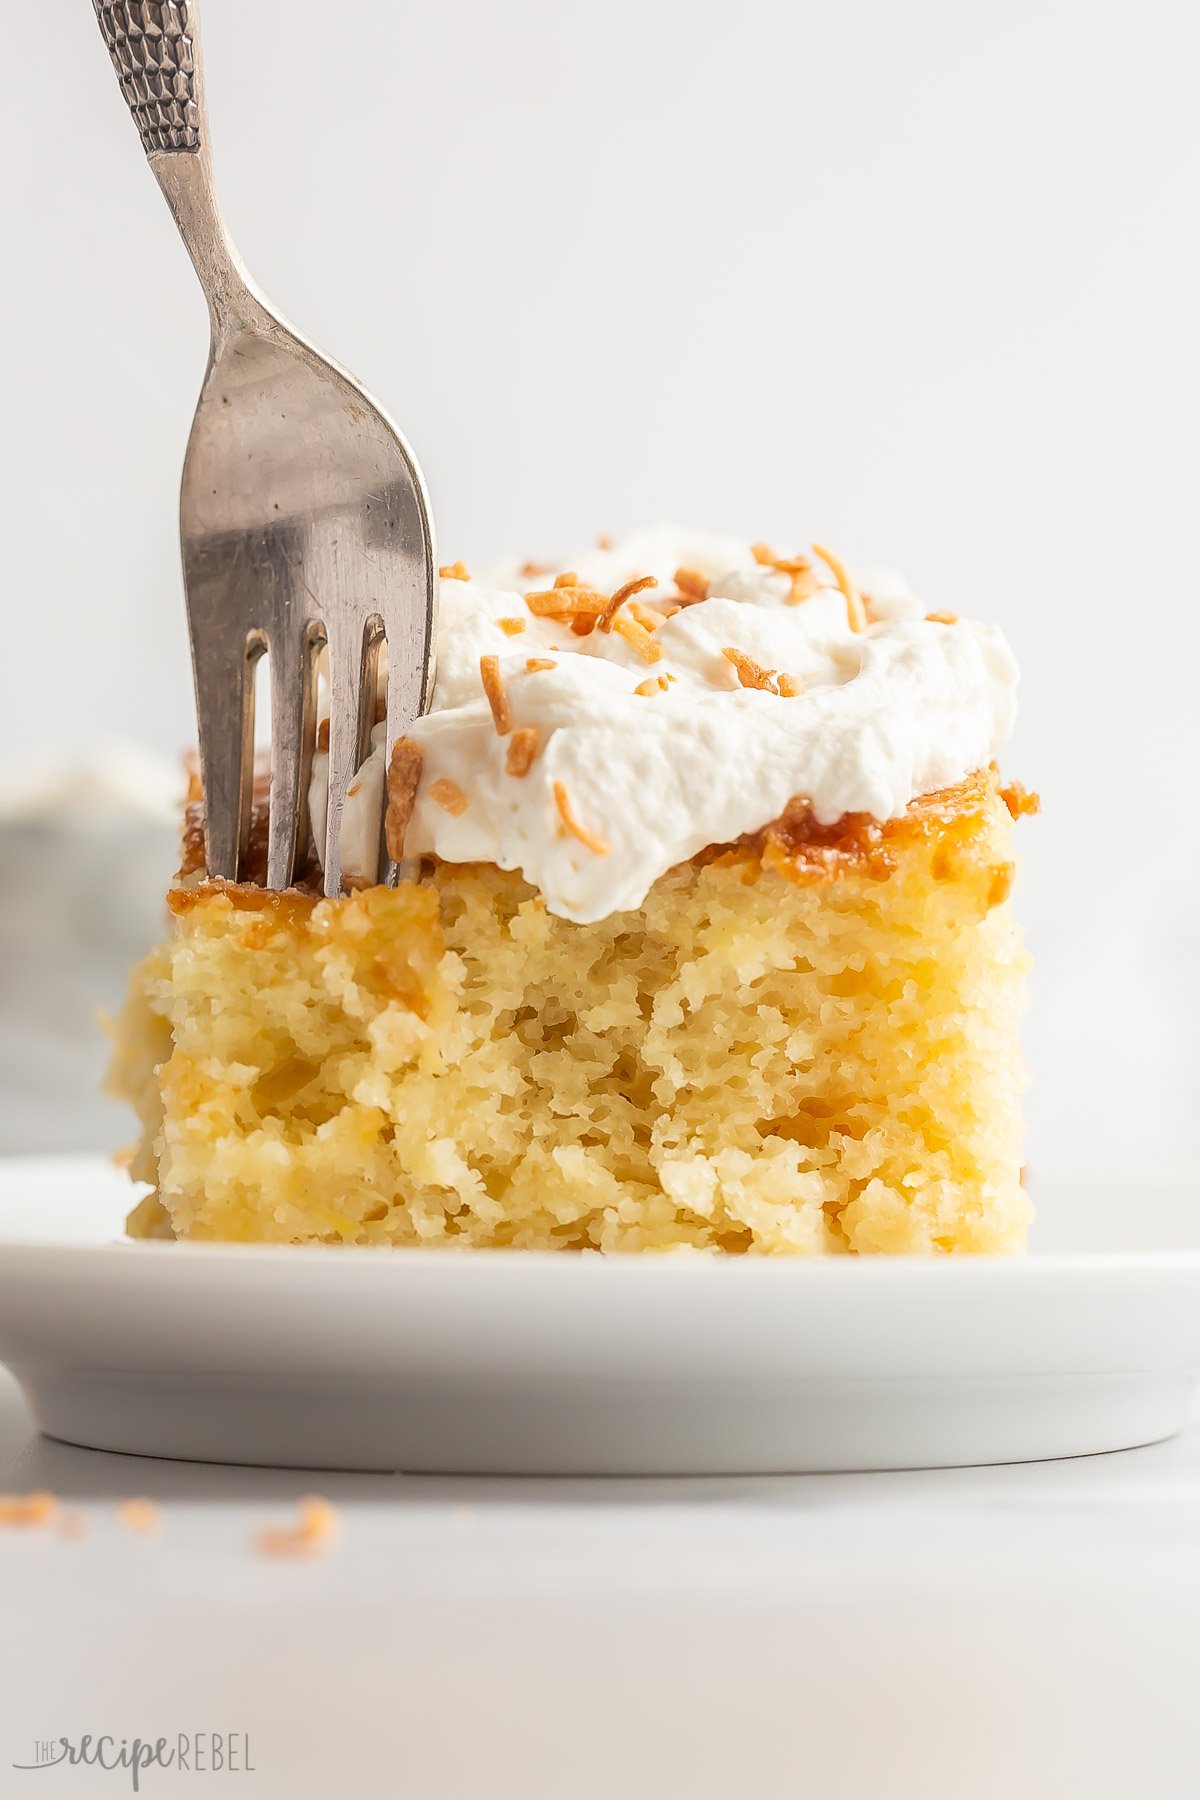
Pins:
x: 155, y: 49
x: 156, y: 55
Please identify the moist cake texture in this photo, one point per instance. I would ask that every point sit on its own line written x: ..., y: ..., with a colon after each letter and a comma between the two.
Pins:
x: 803, y: 1039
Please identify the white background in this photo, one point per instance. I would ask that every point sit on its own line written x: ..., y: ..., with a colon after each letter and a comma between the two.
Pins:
x: 919, y: 280
x: 1020, y: 1633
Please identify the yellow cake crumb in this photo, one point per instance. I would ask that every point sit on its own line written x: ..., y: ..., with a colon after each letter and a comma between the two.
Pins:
x: 139, y: 1515
x: 28, y: 1509
x: 802, y: 1043
x: 317, y: 1525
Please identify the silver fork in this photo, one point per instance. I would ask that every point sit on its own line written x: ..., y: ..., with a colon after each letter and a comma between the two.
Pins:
x: 303, y: 515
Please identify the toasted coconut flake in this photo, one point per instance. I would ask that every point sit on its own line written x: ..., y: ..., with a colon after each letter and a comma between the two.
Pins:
x: 534, y: 663
x: 497, y: 693
x: 317, y: 1525
x: 448, y: 795
x: 530, y: 569
x: 750, y: 673
x: 654, y: 684
x: 647, y: 616
x: 692, y: 585
x: 782, y: 565
x: 566, y: 601
x: 568, y: 578
x: 403, y: 779
x: 604, y: 541
x: 637, y: 637
x: 942, y: 618
x: 799, y: 568
x: 788, y: 686
x: 613, y: 605
x: 523, y: 747
x: 591, y: 840
x: 855, y: 610
x: 455, y: 571
x: 28, y: 1509
x: 511, y: 627
x: 804, y: 585
x: 583, y: 624
x: 139, y: 1515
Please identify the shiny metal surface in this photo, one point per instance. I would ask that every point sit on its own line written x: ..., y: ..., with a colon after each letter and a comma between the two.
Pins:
x: 303, y: 515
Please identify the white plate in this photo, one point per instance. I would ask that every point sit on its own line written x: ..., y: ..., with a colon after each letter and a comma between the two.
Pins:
x: 538, y: 1363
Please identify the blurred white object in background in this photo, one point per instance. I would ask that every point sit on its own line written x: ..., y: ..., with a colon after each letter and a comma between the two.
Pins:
x: 87, y: 849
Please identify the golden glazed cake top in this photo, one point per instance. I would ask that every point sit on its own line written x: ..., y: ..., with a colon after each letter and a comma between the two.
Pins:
x: 794, y: 845
x: 803, y: 1042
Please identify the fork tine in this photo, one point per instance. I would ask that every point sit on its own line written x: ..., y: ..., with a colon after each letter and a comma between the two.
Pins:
x: 293, y: 711
x: 410, y: 621
x: 225, y: 714
x: 405, y: 702
x: 345, y: 737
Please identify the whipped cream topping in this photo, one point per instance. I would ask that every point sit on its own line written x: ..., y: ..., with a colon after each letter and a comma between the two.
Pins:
x: 867, y: 720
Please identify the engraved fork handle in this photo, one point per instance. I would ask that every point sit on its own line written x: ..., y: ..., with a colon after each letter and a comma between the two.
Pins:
x: 155, y: 50
x: 156, y: 56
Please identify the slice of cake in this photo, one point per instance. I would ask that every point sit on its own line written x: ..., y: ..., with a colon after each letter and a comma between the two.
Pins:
x: 710, y: 944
